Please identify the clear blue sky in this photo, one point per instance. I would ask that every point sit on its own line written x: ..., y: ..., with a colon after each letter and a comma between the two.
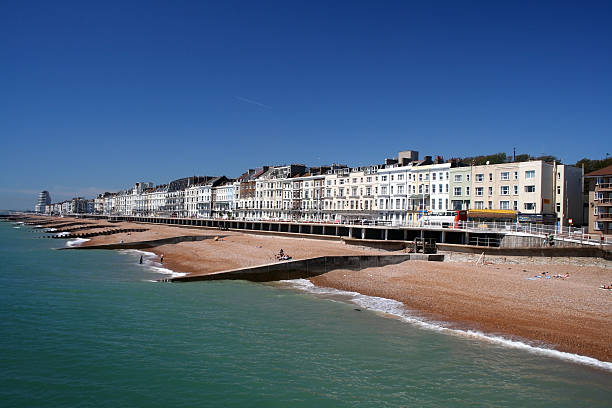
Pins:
x: 98, y: 95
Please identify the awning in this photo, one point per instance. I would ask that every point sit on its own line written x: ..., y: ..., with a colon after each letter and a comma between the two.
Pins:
x: 492, y: 214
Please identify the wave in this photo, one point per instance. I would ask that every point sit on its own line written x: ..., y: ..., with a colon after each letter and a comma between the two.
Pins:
x: 17, y: 227
x: 62, y: 234
x: 399, y: 310
x: 76, y: 242
x: 50, y: 229
x: 149, y: 260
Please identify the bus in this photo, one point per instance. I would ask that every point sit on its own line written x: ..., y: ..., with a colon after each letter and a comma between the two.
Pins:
x: 444, y: 219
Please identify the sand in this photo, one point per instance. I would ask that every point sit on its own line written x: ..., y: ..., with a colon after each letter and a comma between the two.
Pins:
x: 572, y: 314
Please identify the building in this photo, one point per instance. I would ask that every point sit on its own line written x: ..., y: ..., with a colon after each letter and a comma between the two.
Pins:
x: 44, y: 199
x: 351, y: 194
x: 459, y: 188
x: 246, y: 203
x: 600, y: 200
x: 538, y: 191
x: 274, y: 192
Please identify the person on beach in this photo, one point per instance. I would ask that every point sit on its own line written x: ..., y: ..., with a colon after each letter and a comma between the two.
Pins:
x: 141, y: 259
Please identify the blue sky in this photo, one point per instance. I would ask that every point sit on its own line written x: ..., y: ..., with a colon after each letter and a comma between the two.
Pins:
x: 97, y: 96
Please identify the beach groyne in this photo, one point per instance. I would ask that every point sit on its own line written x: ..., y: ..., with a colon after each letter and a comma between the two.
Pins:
x: 150, y: 243
x: 305, y: 268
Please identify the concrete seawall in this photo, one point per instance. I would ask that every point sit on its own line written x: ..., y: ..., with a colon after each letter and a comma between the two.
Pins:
x: 148, y: 244
x: 305, y: 268
x: 541, y: 252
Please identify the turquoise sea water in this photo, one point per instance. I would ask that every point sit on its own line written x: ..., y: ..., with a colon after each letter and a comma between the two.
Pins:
x: 88, y: 328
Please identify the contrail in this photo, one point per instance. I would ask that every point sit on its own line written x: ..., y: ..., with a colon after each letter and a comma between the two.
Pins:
x: 240, y: 98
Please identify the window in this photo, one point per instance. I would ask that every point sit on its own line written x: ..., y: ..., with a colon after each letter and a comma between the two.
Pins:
x: 447, y: 188
x: 504, y: 205
x: 490, y: 190
x: 420, y: 176
x: 529, y: 174
x: 383, y: 178
x: 530, y: 206
x: 467, y: 190
x: 354, y: 181
x: 368, y: 179
x: 516, y: 175
x: 530, y: 189
x: 515, y: 206
x: 433, y: 204
x: 392, y: 177
x: 479, y: 177
x: 558, y: 189
x: 433, y: 189
x: 515, y: 190
x: 558, y: 207
x: 490, y: 176
x: 457, y: 191
x: 505, y: 175
x: 505, y: 190
x: 490, y: 207
x: 440, y: 204
x: 383, y: 190
x: 458, y: 177
x: 433, y: 176
x: 479, y: 191
x: 467, y: 177
x: 400, y: 177
x: 478, y: 205
x: 400, y: 189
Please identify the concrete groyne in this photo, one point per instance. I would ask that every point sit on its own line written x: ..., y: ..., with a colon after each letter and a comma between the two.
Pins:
x: 148, y: 244
x: 305, y: 268
x: 98, y: 233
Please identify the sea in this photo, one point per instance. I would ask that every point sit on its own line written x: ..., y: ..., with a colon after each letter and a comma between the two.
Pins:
x: 94, y: 329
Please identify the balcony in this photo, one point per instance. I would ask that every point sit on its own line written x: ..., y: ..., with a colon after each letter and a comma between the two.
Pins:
x: 603, y: 187
x: 604, y: 217
x: 600, y: 202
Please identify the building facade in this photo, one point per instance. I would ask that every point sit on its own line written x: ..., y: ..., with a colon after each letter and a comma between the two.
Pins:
x: 600, y: 201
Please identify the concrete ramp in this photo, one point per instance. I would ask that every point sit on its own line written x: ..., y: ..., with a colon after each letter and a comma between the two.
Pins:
x: 305, y: 268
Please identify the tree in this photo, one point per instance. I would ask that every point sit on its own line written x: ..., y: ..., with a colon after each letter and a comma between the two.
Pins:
x: 592, y: 165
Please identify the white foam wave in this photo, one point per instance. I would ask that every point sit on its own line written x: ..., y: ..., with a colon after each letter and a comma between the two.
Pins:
x: 76, y: 242
x: 62, y: 234
x: 395, y: 308
x: 149, y: 260
x: 50, y: 229
x: 17, y: 227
